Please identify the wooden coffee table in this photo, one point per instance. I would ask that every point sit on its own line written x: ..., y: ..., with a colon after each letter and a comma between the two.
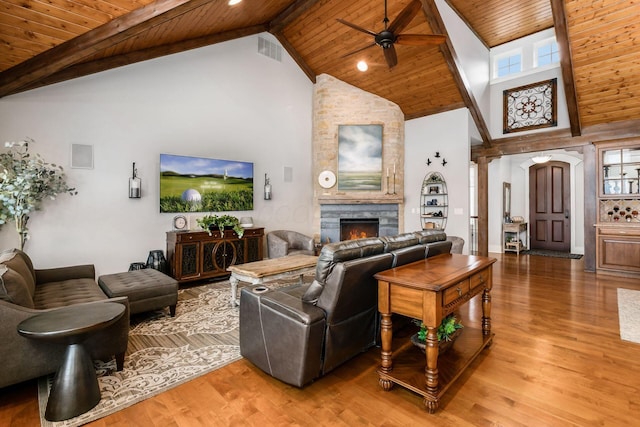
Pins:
x: 259, y: 272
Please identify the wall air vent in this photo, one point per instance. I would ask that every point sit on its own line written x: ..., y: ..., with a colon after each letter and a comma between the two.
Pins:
x: 270, y: 49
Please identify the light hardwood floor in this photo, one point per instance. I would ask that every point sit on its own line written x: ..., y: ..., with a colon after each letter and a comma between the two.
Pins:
x: 556, y: 360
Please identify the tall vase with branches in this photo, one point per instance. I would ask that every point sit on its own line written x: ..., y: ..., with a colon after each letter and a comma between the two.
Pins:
x: 25, y: 181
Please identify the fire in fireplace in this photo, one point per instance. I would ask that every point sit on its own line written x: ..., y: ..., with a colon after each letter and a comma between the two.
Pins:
x: 358, y: 228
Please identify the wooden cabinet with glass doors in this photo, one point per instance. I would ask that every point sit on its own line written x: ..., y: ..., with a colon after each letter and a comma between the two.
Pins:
x: 618, y: 226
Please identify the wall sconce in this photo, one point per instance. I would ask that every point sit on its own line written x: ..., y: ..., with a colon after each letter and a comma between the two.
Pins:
x: 267, y: 188
x: 135, y: 184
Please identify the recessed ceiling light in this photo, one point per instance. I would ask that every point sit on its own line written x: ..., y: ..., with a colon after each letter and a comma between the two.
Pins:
x: 362, y: 66
x: 234, y: 2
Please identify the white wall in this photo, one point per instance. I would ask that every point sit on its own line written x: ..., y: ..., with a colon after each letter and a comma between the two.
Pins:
x: 423, y: 137
x: 472, y: 54
x: 224, y: 101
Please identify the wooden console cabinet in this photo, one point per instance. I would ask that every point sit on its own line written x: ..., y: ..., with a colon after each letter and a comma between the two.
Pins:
x: 194, y: 255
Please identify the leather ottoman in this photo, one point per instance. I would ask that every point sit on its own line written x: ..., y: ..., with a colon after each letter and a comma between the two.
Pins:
x: 147, y: 289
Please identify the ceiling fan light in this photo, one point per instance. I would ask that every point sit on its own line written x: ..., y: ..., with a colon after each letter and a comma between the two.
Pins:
x: 362, y: 66
x: 541, y: 158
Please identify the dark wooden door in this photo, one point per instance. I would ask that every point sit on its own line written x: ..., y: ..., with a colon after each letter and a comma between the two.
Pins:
x: 549, y: 206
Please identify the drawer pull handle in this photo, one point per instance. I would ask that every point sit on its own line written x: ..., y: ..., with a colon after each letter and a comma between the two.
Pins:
x: 459, y: 291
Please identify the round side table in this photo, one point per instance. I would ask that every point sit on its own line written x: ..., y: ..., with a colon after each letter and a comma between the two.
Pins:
x: 75, y: 387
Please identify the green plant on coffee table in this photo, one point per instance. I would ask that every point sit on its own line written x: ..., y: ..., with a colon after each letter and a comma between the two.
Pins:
x: 221, y: 222
x: 447, y: 328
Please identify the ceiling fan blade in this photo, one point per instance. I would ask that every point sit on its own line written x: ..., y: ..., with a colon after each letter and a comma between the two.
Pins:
x: 404, y: 17
x: 358, y: 50
x: 356, y: 27
x: 420, y: 39
x: 390, y: 56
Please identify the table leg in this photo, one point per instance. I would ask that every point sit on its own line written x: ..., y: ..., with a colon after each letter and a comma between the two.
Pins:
x: 486, y: 310
x: 386, y: 366
x: 75, y: 387
x: 431, y: 369
x: 234, y: 291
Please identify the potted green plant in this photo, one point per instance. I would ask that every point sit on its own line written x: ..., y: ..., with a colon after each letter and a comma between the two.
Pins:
x: 25, y: 181
x: 448, y: 330
x: 208, y: 222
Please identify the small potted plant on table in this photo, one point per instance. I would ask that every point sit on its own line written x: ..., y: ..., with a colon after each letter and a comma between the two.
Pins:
x: 210, y: 222
x: 448, y: 331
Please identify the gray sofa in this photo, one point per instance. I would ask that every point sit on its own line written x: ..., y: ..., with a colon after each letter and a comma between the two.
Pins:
x: 26, y: 292
x: 302, y: 332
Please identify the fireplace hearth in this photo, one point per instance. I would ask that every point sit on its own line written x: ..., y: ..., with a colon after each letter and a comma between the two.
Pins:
x: 358, y: 228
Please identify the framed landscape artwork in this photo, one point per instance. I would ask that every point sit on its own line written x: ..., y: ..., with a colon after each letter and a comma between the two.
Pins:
x: 199, y: 184
x: 360, y: 157
x: 530, y: 107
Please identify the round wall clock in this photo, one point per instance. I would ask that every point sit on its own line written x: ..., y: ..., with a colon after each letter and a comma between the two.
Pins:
x: 327, y: 179
x: 179, y: 222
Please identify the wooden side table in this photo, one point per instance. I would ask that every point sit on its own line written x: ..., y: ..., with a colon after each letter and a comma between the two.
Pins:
x: 431, y: 289
x: 75, y: 387
x: 518, y: 231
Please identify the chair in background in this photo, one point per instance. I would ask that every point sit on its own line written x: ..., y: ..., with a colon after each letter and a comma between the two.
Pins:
x: 286, y: 242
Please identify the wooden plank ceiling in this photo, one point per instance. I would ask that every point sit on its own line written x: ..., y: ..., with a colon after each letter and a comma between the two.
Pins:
x: 47, y: 41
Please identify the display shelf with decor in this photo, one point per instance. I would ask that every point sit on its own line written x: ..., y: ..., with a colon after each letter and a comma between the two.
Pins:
x: 434, y: 202
x: 618, y: 221
x: 200, y: 255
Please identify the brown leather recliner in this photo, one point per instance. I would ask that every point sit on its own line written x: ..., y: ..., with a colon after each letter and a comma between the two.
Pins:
x: 302, y: 332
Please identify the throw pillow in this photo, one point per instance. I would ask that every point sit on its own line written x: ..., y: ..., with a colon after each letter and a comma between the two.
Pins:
x: 13, y: 288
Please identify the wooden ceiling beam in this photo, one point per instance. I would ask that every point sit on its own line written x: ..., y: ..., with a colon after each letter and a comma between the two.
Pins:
x: 437, y: 25
x: 277, y: 25
x: 75, y: 50
x: 566, y: 65
x: 86, y: 68
x: 291, y: 13
x: 559, y: 139
x: 296, y: 57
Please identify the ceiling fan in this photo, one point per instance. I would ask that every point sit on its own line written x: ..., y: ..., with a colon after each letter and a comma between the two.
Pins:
x: 390, y: 35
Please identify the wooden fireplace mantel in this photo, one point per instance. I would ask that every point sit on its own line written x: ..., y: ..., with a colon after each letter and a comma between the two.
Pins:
x: 338, y: 199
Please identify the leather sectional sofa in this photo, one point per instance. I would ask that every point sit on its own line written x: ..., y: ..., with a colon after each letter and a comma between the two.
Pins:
x: 302, y: 332
x: 26, y: 292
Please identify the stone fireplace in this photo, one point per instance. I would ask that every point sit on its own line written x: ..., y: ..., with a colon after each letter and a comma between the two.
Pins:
x: 337, y: 103
x: 373, y: 219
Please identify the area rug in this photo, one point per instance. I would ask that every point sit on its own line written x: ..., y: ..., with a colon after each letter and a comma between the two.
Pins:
x: 165, y: 351
x: 554, y: 254
x: 629, y: 314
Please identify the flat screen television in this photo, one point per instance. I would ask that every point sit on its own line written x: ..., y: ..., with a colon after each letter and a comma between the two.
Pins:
x: 199, y: 184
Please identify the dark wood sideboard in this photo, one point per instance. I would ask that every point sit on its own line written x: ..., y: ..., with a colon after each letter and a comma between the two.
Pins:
x: 196, y: 255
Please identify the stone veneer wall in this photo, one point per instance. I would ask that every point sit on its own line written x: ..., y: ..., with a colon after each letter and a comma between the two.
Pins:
x: 338, y: 103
